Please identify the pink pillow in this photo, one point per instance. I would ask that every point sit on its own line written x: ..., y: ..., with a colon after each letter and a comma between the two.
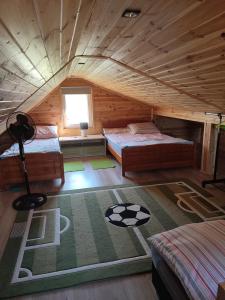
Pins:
x: 145, y: 127
x: 115, y: 130
x: 46, y: 132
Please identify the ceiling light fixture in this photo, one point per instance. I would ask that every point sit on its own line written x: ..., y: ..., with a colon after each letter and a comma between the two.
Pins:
x: 131, y: 13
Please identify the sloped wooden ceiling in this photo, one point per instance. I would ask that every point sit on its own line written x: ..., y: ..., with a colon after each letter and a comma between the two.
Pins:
x: 171, y: 55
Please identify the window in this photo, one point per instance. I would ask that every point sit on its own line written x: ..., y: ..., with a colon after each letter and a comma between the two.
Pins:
x: 77, y: 106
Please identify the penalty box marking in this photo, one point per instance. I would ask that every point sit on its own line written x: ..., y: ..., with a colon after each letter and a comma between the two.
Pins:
x: 25, y: 239
x: 43, y: 228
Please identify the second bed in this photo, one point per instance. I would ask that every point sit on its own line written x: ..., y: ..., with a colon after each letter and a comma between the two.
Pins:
x: 146, y: 151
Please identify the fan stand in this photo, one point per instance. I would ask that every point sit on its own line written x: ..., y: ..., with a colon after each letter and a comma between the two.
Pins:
x: 215, y: 179
x: 29, y: 200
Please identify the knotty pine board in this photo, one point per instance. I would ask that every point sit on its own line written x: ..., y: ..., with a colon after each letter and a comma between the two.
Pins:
x: 106, y: 105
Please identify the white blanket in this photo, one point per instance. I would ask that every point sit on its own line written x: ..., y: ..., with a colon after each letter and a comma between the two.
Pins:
x: 36, y: 146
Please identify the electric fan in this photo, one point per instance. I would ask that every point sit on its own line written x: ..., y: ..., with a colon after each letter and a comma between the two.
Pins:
x: 22, y: 130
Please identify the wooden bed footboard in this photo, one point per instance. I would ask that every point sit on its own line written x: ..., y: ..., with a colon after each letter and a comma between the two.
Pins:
x: 40, y: 166
x: 140, y: 158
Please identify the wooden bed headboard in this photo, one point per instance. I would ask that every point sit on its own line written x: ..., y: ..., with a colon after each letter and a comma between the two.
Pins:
x: 123, y: 122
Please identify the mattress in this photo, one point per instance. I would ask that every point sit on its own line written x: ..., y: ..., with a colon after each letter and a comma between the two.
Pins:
x: 36, y: 146
x: 118, y: 141
x: 196, y: 254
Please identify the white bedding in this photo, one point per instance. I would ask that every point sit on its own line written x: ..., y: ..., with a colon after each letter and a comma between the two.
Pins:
x: 36, y: 146
x: 118, y: 141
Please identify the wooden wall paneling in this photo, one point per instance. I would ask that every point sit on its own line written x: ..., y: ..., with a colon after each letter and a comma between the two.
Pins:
x: 91, y: 66
x: 221, y: 156
x: 184, y: 129
x: 82, y: 17
x: 172, y: 54
x: 208, y: 148
x: 78, y: 65
x: 159, y: 83
x: 147, y: 97
x: 133, y: 32
x: 68, y: 22
x: 13, y: 78
x: 158, y: 18
x: 2, y: 119
x: 207, y: 69
x: 49, y: 111
x: 8, y: 104
x: 185, y: 115
x: 171, y: 59
x: 103, y: 66
x: 12, y: 52
x: 199, y: 59
x: 123, y: 29
x: 33, y: 99
x: 5, y: 142
x: 11, y: 83
x: 171, y: 38
x: 109, y: 20
x: 80, y: 25
x: 48, y: 14
x: 28, y: 37
x: 203, y: 22
x: 105, y: 103
x: 92, y: 25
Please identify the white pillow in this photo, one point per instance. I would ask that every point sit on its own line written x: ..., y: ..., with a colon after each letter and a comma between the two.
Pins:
x: 46, y: 132
x: 145, y: 127
x: 115, y: 130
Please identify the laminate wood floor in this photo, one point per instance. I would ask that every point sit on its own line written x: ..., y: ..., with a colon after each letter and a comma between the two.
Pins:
x: 129, y: 287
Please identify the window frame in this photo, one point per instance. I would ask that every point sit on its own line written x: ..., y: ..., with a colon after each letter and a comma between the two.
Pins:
x: 90, y: 106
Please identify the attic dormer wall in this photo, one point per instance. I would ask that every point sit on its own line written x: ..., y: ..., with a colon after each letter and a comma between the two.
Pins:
x: 106, y: 106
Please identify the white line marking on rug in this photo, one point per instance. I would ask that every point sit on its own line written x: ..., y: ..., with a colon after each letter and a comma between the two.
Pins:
x: 190, y: 211
x: 205, y: 208
x: 135, y: 229
x: 83, y: 268
x: 43, y: 228
x: 194, y: 210
x: 67, y: 220
x: 56, y: 240
x: 206, y: 199
x: 27, y: 271
x: 23, y: 246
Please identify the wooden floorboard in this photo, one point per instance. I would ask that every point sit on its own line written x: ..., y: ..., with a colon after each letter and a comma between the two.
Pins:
x: 128, y: 287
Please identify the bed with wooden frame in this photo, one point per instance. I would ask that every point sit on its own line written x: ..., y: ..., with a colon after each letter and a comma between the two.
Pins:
x: 40, y: 167
x: 149, y: 157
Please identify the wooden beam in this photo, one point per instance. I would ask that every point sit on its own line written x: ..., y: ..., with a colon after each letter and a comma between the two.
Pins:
x: 4, y: 109
x: 185, y: 115
x: 208, y: 148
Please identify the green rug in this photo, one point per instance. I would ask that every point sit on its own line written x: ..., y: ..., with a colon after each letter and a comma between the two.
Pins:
x: 102, y: 164
x: 68, y: 241
x: 73, y: 166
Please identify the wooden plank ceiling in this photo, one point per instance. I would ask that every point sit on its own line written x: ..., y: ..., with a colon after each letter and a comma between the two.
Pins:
x: 171, y: 55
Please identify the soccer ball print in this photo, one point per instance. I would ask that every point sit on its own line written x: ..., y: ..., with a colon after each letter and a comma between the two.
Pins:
x: 127, y: 214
